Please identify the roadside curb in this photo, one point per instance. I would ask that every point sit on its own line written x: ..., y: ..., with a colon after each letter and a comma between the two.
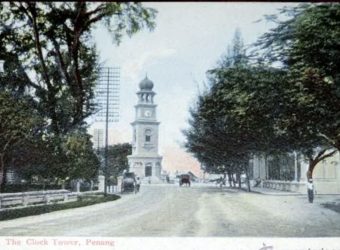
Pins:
x: 277, y: 193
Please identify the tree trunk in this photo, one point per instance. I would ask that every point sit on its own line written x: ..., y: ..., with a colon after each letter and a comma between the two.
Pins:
x: 230, y: 179
x: 247, y: 176
x: 233, y: 179
x: 91, y: 185
x: 3, y: 172
x: 238, y: 178
x: 314, y: 161
x: 311, y: 166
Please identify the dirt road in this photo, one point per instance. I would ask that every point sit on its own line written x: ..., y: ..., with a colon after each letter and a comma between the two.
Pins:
x: 168, y: 210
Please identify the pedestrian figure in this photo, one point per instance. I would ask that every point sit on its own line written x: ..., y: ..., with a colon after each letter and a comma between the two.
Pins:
x: 220, y: 181
x: 138, y: 182
x: 310, y: 190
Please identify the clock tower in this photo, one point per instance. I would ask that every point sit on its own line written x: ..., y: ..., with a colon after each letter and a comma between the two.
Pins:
x: 145, y: 161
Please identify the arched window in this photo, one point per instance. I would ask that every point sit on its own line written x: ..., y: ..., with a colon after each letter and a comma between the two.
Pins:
x: 148, y: 135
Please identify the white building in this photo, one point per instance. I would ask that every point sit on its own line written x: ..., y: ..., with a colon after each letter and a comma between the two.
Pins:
x: 145, y: 160
x: 288, y: 173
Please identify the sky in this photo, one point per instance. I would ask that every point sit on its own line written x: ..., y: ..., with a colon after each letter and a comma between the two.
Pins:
x: 188, y: 40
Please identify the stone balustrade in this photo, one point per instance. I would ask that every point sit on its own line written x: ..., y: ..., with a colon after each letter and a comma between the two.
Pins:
x: 289, y: 186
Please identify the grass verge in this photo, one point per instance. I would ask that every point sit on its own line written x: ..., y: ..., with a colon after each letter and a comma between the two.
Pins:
x: 36, y: 210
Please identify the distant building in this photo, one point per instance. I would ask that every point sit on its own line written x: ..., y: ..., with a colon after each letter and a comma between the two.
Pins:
x: 145, y: 160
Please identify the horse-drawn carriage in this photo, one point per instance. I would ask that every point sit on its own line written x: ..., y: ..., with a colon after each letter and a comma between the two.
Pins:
x: 184, y: 179
x: 128, y: 182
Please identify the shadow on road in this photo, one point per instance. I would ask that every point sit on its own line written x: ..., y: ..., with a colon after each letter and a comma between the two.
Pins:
x: 335, y: 205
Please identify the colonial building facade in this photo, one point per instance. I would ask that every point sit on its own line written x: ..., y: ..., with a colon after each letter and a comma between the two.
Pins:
x: 288, y: 172
x: 145, y: 161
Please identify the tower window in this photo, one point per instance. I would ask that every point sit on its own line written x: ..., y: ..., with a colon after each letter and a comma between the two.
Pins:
x: 148, y: 135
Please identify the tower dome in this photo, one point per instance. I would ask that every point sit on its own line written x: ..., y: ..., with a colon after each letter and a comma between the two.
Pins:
x: 146, y: 84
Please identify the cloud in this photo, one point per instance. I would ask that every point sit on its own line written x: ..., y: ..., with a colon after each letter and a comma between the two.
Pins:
x: 132, y: 69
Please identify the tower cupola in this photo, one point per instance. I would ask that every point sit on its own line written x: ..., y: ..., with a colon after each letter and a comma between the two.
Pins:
x: 146, y: 84
x: 145, y: 93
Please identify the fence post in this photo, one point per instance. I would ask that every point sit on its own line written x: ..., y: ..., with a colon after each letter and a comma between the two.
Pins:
x: 65, y: 197
x: 46, y: 198
x: 25, y: 199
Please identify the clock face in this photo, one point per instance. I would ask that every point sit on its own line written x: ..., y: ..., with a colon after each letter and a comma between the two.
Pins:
x: 147, y: 113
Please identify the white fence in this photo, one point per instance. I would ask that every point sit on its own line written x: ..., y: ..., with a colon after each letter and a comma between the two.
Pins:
x: 13, y: 200
x: 114, y: 189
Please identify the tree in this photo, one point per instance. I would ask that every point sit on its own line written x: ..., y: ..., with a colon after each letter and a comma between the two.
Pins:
x: 208, y: 139
x: 51, y: 56
x: 117, y: 159
x: 81, y: 161
x: 247, y: 111
x: 236, y: 53
x: 307, y: 46
x: 248, y: 103
x: 52, y: 49
x: 19, y: 124
x: 213, y: 136
x: 40, y: 160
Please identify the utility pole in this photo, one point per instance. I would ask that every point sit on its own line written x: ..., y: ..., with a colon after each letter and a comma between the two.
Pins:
x: 107, y: 96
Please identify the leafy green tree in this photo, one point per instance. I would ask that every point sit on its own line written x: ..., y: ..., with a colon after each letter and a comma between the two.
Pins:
x: 19, y: 124
x: 215, y: 137
x: 236, y: 53
x: 52, y: 48
x: 34, y: 161
x: 206, y: 139
x: 307, y: 46
x: 50, y: 54
x: 249, y: 111
x: 117, y: 159
x: 40, y: 160
x: 81, y: 161
x: 244, y: 113
x: 252, y: 109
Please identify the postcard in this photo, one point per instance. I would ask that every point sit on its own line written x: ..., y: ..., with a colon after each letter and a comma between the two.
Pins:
x: 169, y: 125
